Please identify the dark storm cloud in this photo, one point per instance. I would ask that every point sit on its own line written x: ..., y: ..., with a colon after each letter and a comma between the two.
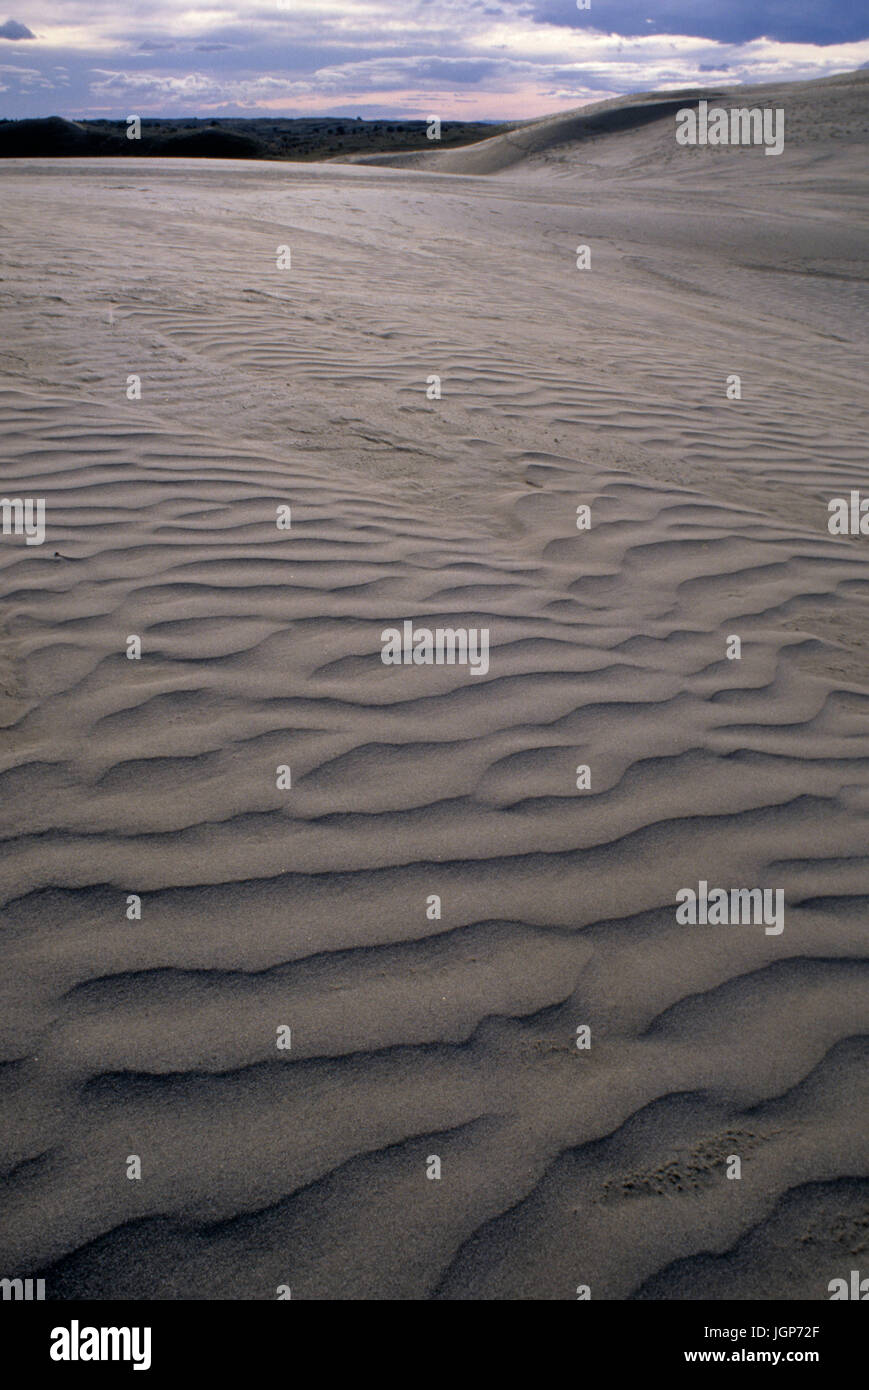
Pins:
x: 13, y: 30
x: 736, y: 21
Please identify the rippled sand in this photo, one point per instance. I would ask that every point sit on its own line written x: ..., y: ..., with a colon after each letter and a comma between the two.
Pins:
x: 415, y: 1035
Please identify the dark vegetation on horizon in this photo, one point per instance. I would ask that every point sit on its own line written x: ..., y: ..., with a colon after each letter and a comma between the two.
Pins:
x: 321, y: 137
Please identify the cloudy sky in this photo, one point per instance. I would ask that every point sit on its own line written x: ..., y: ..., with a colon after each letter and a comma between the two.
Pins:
x: 470, y: 59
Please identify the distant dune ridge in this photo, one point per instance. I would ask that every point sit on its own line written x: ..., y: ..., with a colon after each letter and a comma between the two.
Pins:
x: 826, y: 109
x: 458, y: 877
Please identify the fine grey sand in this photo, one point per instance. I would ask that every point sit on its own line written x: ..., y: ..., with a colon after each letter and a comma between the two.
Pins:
x: 416, y: 1035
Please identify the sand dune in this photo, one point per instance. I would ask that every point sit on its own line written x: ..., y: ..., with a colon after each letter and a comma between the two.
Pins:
x: 415, y: 1035
x: 818, y: 113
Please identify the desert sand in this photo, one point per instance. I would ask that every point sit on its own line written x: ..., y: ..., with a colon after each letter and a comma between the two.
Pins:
x: 416, y: 1035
